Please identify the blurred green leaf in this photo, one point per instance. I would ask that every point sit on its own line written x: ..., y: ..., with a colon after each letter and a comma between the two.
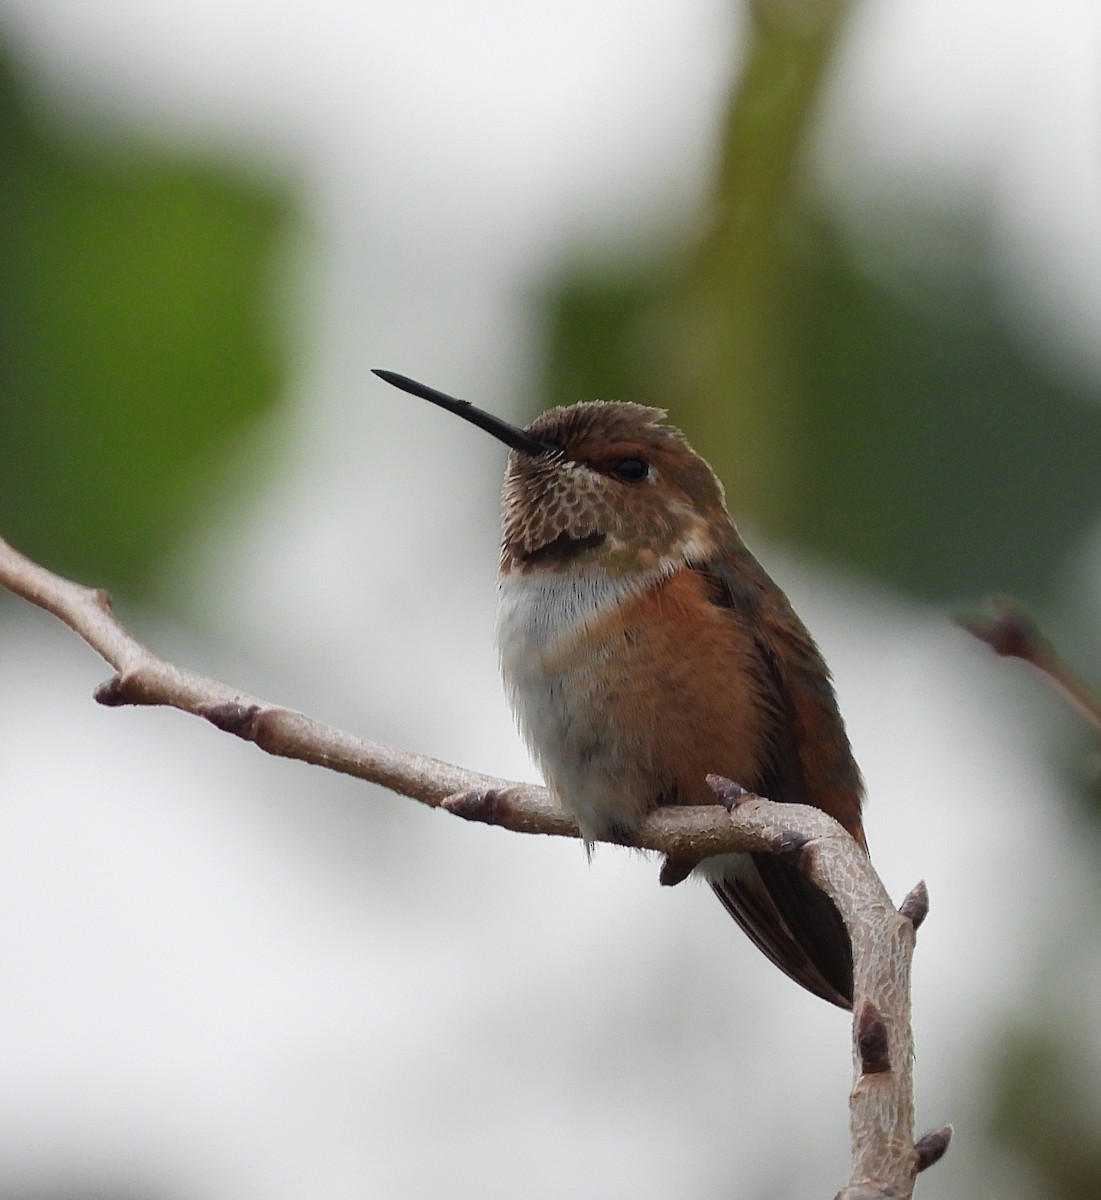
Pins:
x: 935, y: 452
x: 916, y: 443
x: 1045, y: 1111
x: 596, y: 328
x: 132, y: 340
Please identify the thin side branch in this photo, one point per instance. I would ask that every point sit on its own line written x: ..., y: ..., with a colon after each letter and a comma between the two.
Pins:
x: 885, y: 1159
x: 1012, y: 633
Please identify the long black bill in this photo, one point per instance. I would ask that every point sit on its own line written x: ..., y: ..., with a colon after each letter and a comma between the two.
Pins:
x: 511, y: 435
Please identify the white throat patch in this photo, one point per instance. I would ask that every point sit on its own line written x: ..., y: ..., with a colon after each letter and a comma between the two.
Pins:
x: 535, y: 609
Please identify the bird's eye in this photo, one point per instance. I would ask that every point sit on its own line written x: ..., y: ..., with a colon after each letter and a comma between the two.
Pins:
x: 631, y: 469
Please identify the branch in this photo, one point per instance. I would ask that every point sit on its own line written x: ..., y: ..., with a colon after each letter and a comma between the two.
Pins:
x: 1012, y: 633
x: 885, y: 1158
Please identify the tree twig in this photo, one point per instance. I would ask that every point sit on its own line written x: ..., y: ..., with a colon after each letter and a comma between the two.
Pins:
x: 885, y: 1158
x: 1012, y: 633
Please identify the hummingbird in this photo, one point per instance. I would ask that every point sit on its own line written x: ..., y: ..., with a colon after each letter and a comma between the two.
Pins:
x: 643, y: 648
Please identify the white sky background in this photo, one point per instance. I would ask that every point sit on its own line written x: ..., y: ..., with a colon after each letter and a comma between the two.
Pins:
x: 230, y: 977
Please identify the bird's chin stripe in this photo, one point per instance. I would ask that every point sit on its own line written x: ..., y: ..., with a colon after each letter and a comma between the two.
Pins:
x: 561, y: 549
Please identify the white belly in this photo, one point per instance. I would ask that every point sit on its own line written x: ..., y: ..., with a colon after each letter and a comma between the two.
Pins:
x: 556, y: 677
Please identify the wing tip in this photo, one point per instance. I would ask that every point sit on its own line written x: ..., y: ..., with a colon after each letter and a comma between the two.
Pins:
x: 821, y: 965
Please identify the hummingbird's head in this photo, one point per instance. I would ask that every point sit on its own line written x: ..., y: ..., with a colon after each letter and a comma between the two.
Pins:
x: 616, y: 486
x: 597, y: 483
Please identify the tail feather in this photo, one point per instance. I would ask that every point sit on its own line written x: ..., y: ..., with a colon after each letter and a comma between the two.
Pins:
x: 792, y: 923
